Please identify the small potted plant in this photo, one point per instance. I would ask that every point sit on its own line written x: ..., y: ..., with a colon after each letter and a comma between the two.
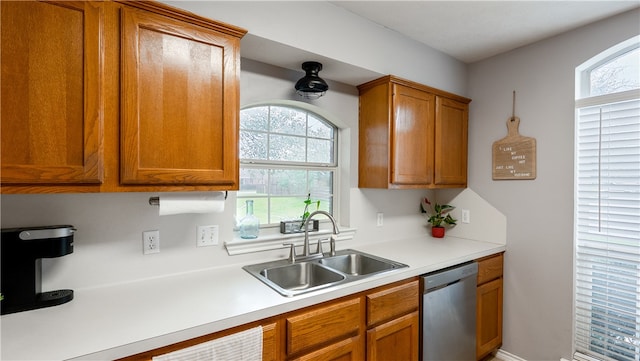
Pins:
x: 439, y: 218
x: 297, y: 226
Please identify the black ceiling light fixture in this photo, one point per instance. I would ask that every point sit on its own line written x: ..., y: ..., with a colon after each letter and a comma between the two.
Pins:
x: 311, y: 86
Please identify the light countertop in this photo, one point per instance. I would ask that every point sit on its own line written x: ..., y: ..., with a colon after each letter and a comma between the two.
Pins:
x: 125, y: 319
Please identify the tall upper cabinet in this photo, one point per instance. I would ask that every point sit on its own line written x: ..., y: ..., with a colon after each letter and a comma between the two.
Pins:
x: 411, y: 136
x: 117, y: 96
x: 52, y: 92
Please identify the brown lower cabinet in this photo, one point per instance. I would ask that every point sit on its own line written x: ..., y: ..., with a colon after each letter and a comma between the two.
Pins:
x: 397, y: 339
x: 489, y: 305
x: 383, y: 321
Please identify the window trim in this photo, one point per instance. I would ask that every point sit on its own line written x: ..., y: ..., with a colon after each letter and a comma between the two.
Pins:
x: 585, y: 100
x: 335, y: 167
x: 583, y: 72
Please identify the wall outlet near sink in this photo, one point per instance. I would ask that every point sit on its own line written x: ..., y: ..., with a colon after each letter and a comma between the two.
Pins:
x: 466, y: 216
x: 150, y: 242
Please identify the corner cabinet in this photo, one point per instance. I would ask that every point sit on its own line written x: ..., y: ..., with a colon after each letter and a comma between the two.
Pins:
x: 411, y: 136
x: 125, y: 96
x: 451, y: 142
x: 489, y: 305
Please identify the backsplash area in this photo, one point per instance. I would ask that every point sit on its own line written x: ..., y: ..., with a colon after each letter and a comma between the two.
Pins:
x: 108, y: 243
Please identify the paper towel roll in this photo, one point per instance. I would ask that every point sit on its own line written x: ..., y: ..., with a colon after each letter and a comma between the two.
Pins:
x: 191, y: 203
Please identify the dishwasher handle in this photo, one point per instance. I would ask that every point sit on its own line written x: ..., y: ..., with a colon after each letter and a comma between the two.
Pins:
x: 450, y: 275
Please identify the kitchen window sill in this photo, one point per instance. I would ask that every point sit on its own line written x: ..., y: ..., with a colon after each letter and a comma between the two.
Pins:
x: 275, y: 241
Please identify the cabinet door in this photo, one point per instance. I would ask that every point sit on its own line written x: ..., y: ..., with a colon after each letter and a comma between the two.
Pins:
x: 52, y: 105
x: 180, y: 102
x: 396, y: 340
x: 412, y: 132
x: 271, y: 342
x: 345, y: 350
x: 451, y: 142
x: 489, y: 317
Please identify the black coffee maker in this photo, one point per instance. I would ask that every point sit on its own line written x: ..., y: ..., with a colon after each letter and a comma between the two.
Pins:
x: 22, y: 252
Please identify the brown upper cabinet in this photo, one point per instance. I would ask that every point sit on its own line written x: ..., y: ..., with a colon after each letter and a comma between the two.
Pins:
x: 117, y: 96
x: 52, y: 95
x: 411, y: 136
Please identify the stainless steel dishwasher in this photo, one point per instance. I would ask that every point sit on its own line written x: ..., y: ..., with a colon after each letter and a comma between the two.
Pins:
x: 449, y: 314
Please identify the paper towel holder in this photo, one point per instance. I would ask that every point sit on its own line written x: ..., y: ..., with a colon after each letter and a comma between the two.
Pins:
x: 155, y: 201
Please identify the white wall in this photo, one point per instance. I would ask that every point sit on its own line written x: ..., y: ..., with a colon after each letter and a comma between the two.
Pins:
x: 319, y: 27
x: 538, y: 262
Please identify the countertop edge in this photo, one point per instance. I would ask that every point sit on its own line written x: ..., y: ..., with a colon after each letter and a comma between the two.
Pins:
x: 425, y: 256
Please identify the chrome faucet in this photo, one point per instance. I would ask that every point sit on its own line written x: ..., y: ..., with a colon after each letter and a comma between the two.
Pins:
x: 307, y: 251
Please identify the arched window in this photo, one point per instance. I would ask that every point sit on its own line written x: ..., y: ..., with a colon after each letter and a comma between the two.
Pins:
x: 607, y: 205
x: 287, y: 154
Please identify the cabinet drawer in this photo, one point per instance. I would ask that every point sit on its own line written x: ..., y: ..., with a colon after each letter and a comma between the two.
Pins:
x: 345, y: 350
x: 390, y: 303
x: 490, y: 268
x: 322, y: 325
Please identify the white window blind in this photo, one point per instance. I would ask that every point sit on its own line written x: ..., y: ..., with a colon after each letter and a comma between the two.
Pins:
x: 607, y: 235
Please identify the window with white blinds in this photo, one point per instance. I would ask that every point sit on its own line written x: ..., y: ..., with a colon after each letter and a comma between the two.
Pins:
x: 607, y: 226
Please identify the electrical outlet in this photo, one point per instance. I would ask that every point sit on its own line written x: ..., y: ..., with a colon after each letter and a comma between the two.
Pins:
x: 380, y: 219
x: 150, y: 242
x: 466, y: 216
x: 207, y: 236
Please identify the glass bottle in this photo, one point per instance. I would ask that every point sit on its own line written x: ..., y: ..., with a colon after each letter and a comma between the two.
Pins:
x: 249, y: 224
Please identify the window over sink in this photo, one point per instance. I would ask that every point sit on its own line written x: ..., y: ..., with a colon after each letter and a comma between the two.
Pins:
x: 287, y: 153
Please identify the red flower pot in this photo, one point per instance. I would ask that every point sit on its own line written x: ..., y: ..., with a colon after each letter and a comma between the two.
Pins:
x: 437, y: 232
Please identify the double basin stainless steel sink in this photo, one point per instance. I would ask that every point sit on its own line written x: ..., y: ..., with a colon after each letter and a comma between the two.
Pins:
x: 291, y: 279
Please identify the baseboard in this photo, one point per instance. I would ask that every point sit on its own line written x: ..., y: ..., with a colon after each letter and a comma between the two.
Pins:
x: 506, y: 356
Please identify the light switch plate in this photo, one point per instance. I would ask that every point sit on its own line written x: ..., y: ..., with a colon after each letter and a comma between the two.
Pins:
x: 207, y: 236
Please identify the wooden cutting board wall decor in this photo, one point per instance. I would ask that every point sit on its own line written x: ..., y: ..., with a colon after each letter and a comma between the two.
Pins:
x: 514, y: 156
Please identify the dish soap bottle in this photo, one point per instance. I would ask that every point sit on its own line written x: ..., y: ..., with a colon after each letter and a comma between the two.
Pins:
x: 249, y: 224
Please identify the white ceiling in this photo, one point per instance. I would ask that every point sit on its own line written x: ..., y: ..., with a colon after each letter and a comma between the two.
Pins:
x: 474, y: 30
x: 466, y: 30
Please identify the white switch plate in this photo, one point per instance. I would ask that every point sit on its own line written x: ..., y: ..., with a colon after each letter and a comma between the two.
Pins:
x: 380, y: 219
x: 466, y: 216
x: 150, y: 242
x: 207, y: 236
